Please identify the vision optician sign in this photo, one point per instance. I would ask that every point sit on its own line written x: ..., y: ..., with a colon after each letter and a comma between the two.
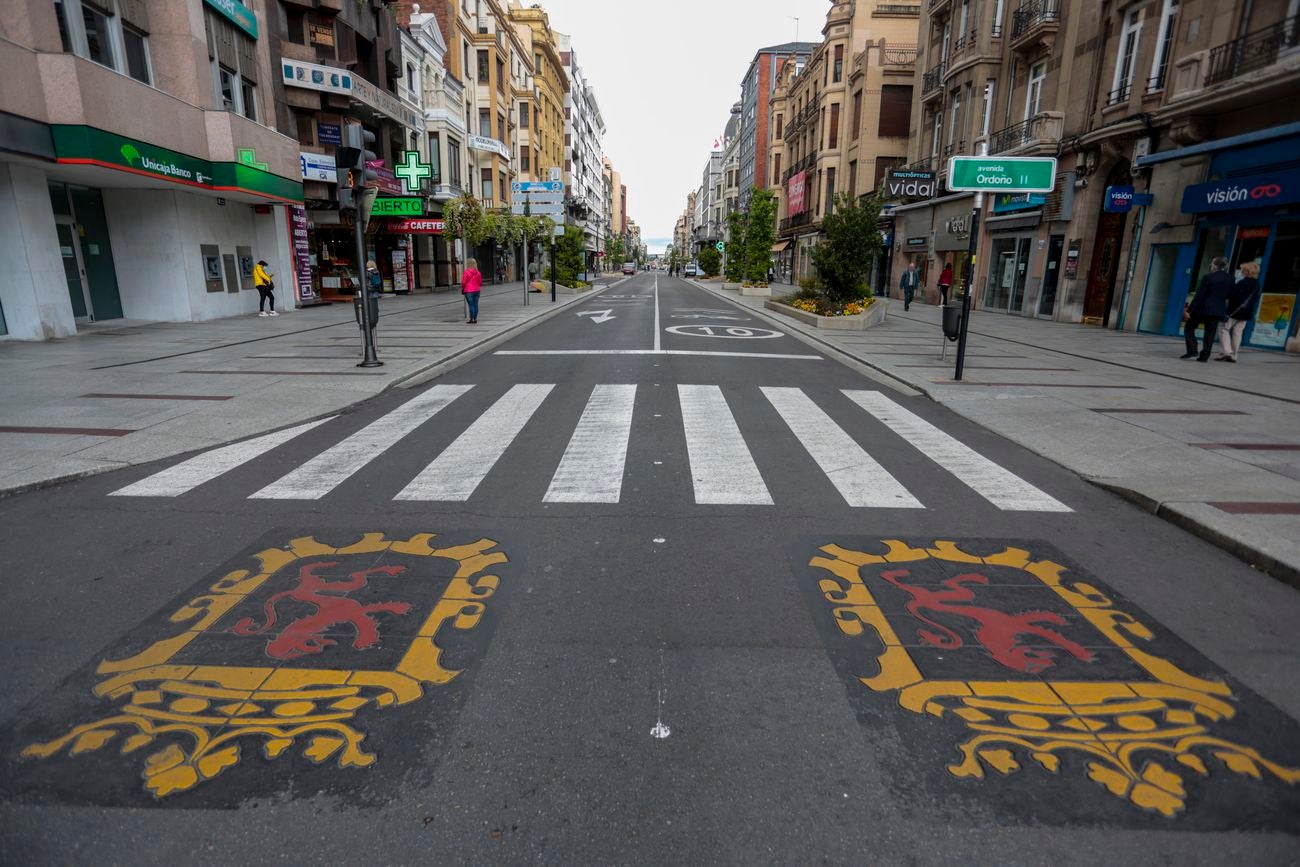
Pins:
x: 1253, y: 191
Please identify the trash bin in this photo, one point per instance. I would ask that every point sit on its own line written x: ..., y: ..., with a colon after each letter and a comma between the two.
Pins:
x: 951, y: 321
x: 373, y: 310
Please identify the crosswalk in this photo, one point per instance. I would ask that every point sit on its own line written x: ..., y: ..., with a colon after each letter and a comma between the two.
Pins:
x: 723, y: 468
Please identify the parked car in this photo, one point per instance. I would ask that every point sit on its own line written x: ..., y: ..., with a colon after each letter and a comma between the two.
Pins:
x: 689, y: 270
x: 629, y: 267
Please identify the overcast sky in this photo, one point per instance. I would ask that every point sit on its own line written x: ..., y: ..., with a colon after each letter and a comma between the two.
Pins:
x: 666, y: 73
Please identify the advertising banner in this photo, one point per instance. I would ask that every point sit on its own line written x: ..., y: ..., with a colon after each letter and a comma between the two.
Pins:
x: 301, y: 253
x: 314, y: 76
x: 794, y: 194
x: 1273, y: 321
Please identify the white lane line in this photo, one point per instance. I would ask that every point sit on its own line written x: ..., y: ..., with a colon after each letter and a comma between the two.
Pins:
x: 591, y: 470
x: 187, y: 475
x: 656, y: 352
x: 456, y: 472
x: 999, y: 486
x: 854, y: 473
x: 722, y: 469
x: 658, y: 344
x: 330, y: 468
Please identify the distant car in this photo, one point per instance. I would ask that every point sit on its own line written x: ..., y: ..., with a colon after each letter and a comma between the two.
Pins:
x: 688, y: 271
x: 629, y: 267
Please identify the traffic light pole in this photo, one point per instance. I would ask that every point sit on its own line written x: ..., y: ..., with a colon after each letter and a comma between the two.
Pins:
x: 552, y: 268
x: 369, y: 358
x: 972, y: 249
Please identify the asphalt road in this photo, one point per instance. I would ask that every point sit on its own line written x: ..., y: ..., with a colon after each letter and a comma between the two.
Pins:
x: 697, y: 594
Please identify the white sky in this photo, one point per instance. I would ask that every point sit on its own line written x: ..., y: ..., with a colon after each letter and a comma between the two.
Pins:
x: 666, y: 73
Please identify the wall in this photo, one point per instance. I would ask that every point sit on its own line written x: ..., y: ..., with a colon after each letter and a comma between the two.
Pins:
x: 34, y: 291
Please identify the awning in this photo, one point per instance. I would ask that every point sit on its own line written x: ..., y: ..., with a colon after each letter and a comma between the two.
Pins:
x: 780, y: 245
x: 1205, y: 147
x: 1022, y: 220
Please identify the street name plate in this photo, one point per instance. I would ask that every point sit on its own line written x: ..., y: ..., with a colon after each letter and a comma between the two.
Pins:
x: 998, y: 175
x: 403, y: 206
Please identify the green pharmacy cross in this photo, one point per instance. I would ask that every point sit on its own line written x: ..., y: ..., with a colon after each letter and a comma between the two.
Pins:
x: 248, y: 157
x: 412, y: 170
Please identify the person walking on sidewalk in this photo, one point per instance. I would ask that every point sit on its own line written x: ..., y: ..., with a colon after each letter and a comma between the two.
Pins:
x: 911, y: 279
x: 1241, y: 309
x: 1208, y: 307
x: 471, y: 283
x: 265, y: 288
x: 945, y: 284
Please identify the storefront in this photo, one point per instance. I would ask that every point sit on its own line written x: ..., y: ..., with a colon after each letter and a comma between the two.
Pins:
x: 1244, y: 213
x: 1012, y: 282
x: 930, y: 235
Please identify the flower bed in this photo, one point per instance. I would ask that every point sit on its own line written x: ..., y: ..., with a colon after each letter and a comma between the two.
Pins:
x: 851, y: 317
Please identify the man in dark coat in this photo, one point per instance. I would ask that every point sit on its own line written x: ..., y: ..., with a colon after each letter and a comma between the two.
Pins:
x: 1208, y: 308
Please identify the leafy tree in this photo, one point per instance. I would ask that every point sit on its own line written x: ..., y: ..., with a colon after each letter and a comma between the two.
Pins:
x: 570, y: 251
x: 463, y: 217
x: 759, y: 234
x: 737, y: 224
x: 709, y: 260
x: 843, y: 259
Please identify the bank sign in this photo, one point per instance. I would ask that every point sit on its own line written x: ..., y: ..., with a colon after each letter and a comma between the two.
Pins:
x: 238, y: 14
x: 1253, y: 191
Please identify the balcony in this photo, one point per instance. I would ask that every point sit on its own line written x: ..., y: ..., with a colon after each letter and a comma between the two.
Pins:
x: 897, y: 55
x: 1252, y: 51
x: 925, y: 164
x: 1040, y: 132
x: 896, y: 10
x: 932, y: 81
x: 1120, y: 95
x: 1035, y: 22
x: 956, y: 149
x: 796, y: 221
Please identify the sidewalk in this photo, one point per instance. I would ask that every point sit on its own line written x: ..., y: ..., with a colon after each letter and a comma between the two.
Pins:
x: 1213, y: 447
x: 125, y: 392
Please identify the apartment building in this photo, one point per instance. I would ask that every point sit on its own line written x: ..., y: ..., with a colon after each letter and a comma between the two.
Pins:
x: 541, y: 116
x: 842, y: 120
x: 730, y: 170
x: 584, y: 127
x: 754, y: 132
x: 1183, y: 100
x: 708, y: 228
x: 141, y: 174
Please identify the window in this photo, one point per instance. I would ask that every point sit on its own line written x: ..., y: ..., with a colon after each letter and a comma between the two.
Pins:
x: 226, y: 87
x: 1124, y: 63
x: 247, y: 99
x: 523, y: 115
x: 839, y: 63
x: 295, y: 25
x: 435, y: 157
x: 501, y: 75
x: 485, y: 123
x: 776, y: 166
x: 964, y: 19
x: 501, y: 183
x: 954, y: 117
x: 1034, y: 93
x: 537, y: 62
x: 779, y: 118
x: 853, y: 179
x: 997, y: 18
x: 1164, y: 44
x: 483, y: 68
x: 829, y: 204
x: 835, y: 125
x: 523, y: 160
x: 501, y: 127
x: 947, y: 40
x: 987, y: 111
x: 895, y: 111
x: 857, y: 116
x: 233, y: 60
x: 108, y: 32
x: 453, y: 161
x: 485, y: 176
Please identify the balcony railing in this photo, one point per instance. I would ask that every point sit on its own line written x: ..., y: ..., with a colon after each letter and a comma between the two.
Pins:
x: 889, y: 10
x: 1041, y: 128
x: 899, y: 55
x: 1252, y: 51
x: 1119, y: 95
x: 794, y: 221
x: 1033, y: 14
x: 922, y: 165
x: 1156, y: 83
x: 955, y: 149
x: 933, y: 79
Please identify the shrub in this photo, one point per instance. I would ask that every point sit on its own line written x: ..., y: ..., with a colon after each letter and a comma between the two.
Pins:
x: 709, y: 261
x: 759, y: 234
x: 843, y: 259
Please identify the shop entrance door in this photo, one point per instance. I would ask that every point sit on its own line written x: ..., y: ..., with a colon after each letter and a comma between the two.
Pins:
x: 96, y: 254
x: 1051, y: 276
x: 1105, y: 265
x: 1007, y: 271
x: 73, y: 270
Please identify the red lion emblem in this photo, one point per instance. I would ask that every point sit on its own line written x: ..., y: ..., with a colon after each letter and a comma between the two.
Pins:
x: 304, y: 635
x: 997, y: 631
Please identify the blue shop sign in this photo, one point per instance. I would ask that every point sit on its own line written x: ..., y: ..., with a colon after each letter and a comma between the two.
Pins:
x: 1252, y: 191
x: 329, y: 133
x: 1005, y: 203
x: 239, y: 14
x: 1119, y: 199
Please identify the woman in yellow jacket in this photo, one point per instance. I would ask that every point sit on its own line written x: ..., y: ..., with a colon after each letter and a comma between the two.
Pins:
x: 265, y: 288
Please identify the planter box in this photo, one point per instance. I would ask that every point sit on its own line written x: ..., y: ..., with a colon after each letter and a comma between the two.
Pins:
x: 756, y: 291
x: 730, y: 286
x: 561, y: 289
x: 873, y: 315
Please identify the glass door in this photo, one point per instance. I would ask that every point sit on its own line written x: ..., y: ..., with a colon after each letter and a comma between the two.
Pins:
x: 1051, y: 276
x: 1017, y: 300
x: 1002, y: 274
x: 1155, y: 299
x: 73, y: 272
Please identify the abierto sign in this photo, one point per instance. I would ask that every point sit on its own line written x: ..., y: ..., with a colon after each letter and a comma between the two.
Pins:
x: 989, y: 174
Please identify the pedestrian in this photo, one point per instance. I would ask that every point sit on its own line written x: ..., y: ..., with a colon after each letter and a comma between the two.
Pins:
x: 1241, y: 309
x: 471, y: 282
x: 1208, y: 307
x: 945, y: 284
x: 265, y: 288
x: 373, y: 278
x: 911, y: 279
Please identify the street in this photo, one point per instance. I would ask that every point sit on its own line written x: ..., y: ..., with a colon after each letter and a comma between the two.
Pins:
x: 650, y: 583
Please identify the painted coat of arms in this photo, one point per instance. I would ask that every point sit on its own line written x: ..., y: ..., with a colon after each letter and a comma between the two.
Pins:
x: 301, y: 648
x: 1037, y: 671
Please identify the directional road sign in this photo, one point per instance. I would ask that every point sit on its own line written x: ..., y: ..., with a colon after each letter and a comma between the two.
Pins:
x: 540, y: 198
x: 1002, y: 175
x: 536, y: 187
x: 538, y: 210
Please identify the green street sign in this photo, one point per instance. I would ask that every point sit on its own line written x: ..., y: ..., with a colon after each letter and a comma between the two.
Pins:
x: 721, y: 246
x: 1001, y: 175
x: 399, y: 206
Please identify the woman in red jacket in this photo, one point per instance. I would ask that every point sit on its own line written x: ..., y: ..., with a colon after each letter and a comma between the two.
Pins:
x: 471, y: 282
x: 945, y: 284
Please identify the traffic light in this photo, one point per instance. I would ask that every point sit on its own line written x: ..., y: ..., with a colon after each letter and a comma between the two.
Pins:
x: 343, y: 176
x: 350, y: 167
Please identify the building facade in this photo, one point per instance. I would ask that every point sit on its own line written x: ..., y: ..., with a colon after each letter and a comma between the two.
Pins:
x: 141, y: 174
x: 755, y: 94
x: 584, y: 127
x: 541, y: 115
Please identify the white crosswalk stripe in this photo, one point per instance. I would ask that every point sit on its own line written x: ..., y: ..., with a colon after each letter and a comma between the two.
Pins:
x: 999, y: 486
x: 330, y: 468
x: 456, y: 472
x: 188, y: 475
x: 591, y: 470
x: 722, y: 469
x: 854, y: 473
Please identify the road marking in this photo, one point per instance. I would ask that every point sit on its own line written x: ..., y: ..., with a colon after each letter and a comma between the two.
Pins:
x: 722, y: 469
x: 725, y: 332
x: 854, y: 473
x: 658, y: 341
x: 330, y: 468
x: 456, y: 472
x: 187, y: 475
x: 591, y: 470
x: 999, y: 486
x: 656, y: 352
x: 597, y: 315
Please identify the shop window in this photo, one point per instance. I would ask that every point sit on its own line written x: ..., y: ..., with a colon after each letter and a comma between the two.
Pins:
x: 112, y: 33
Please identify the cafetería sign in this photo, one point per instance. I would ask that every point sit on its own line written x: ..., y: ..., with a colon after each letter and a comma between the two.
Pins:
x: 415, y: 227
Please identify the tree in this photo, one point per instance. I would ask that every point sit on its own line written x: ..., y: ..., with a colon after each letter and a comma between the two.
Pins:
x: 569, y: 253
x: 709, y: 260
x: 737, y: 224
x: 759, y: 234
x: 463, y: 217
x: 843, y: 259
